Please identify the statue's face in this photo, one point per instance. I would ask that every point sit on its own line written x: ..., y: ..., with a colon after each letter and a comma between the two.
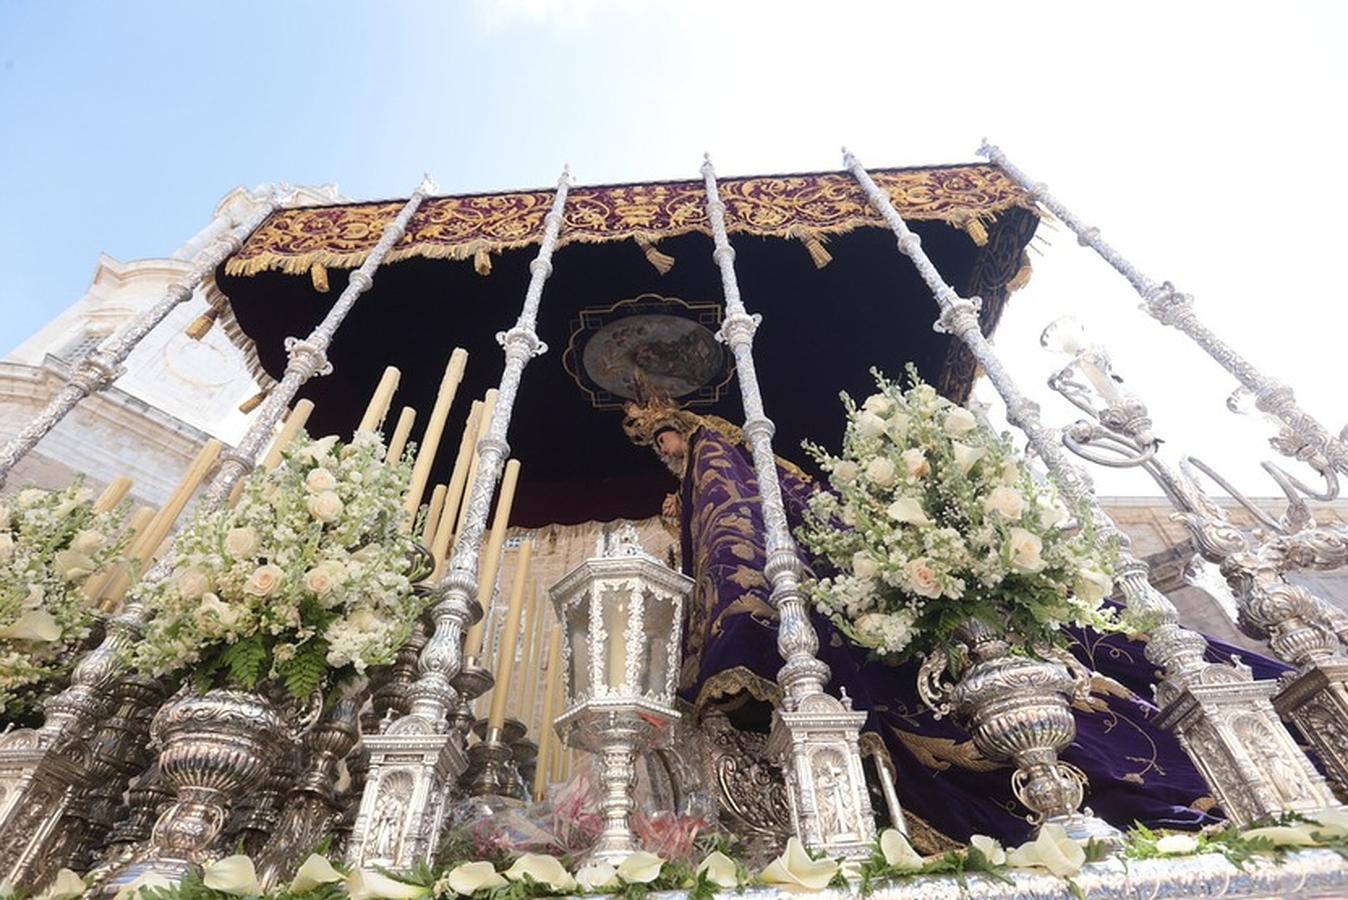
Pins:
x: 671, y: 447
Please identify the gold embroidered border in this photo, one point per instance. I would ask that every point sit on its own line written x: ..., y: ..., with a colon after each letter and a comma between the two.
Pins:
x: 734, y: 681
x: 807, y: 207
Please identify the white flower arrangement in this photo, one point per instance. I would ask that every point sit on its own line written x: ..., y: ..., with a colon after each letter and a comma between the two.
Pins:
x: 303, y: 581
x: 50, y: 543
x: 935, y: 520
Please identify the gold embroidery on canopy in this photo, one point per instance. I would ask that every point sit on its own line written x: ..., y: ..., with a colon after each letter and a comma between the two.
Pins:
x: 748, y: 578
x: 804, y: 207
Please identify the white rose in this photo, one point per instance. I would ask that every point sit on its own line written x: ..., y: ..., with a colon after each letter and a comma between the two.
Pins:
x: 6, y: 547
x: 864, y: 565
x: 966, y: 456
x: 87, y: 541
x: 232, y: 875
x: 1025, y: 549
x: 1056, y: 514
x: 640, y: 867
x: 320, y: 480
x: 315, y: 872
x: 71, y: 565
x: 898, y: 853
x: 1092, y: 586
x: 1010, y: 472
x: 870, y: 628
x: 225, y: 613
x: 845, y: 473
x: 869, y: 425
x: 881, y: 472
x: 192, y: 583
x: 1006, y: 502
x: 922, y: 578
x: 794, y: 869
x: 923, y: 393
x: 1053, y: 849
x: 908, y: 511
x: 915, y: 462
x: 721, y: 870
x: 542, y: 868
x: 265, y: 581
x: 959, y: 421
x: 241, y: 543
x: 470, y: 877
x: 1176, y: 844
x: 325, y: 507
x: 991, y: 849
x: 599, y: 876
x: 879, y: 404
x: 320, y: 579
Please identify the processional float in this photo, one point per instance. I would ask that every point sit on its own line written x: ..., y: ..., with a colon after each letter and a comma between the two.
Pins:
x: 409, y: 749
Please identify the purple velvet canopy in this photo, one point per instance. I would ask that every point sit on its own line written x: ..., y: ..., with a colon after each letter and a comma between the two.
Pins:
x: 1137, y: 772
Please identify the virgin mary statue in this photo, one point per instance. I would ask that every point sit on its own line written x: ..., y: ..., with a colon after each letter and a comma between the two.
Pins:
x: 1136, y: 772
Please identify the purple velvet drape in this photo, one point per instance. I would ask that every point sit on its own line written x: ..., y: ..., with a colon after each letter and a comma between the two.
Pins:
x: 1137, y: 772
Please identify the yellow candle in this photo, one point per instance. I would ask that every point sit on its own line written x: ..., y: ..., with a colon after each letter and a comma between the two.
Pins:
x: 490, y: 559
x: 547, y: 738
x: 510, y: 634
x: 444, y: 531
x: 98, y: 583
x: 523, y: 706
x: 401, y: 432
x: 435, y: 427
x: 433, y: 515
x: 294, y: 422
x: 113, y: 494
x: 483, y: 426
x: 379, y: 402
x: 148, y: 541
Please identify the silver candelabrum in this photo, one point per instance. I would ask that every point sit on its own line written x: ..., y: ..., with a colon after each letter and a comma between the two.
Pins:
x: 1255, y: 768
x: 623, y: 613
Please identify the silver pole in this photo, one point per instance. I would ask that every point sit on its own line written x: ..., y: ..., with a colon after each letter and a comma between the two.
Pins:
x: 1170, y: 307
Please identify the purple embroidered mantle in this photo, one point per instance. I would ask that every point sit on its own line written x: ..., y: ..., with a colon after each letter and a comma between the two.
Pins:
x: 1137, y: 772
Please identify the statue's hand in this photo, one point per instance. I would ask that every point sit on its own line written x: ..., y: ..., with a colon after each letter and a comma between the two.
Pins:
x: 670, y: 508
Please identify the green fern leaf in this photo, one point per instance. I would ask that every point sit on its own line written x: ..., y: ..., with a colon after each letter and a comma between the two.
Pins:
x: 306, y: 669
x: 245, y: 661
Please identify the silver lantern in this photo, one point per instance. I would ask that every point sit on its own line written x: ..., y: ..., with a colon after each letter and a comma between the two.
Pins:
x: 622, y: 612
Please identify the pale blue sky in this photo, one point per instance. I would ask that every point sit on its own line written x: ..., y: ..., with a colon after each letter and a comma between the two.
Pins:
x: 1202, y: 137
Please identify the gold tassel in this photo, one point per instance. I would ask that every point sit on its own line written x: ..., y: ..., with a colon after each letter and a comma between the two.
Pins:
x: 814, y: 243
x: 482, y: 262
x: 976, y: 230
x: 201, y: 325
x: 1022, y: 276
x: 318, y: 274
x: 253, y: 402
x: 661, y: 262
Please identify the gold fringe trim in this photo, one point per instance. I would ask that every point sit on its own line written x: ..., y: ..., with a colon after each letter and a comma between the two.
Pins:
x: 318, y: 274
x: 201, y: 325
x: 253, y: 402
x: 814, y: 243
x: 661, y: 262
x: 734, y: 681
x: 482, y: 262
x: 298, y: 264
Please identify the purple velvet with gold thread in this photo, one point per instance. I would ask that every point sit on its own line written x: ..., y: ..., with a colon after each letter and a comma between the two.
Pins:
x: 1136, y: 771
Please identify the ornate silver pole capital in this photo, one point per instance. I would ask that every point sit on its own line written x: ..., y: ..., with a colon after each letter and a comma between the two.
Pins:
x: 815, y: 734
x: 1170, y: 307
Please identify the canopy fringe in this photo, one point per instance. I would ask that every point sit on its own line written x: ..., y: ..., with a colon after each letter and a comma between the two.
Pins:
x: 814, y: 243
x: 201, y: 325
x: 482, y: 261
x: 318, y: 274
x: 254, y: 401
x: 661, y: 262
x: 1023, y: 274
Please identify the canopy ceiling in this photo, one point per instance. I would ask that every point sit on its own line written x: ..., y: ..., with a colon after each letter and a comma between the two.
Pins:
x: 825, y: 323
